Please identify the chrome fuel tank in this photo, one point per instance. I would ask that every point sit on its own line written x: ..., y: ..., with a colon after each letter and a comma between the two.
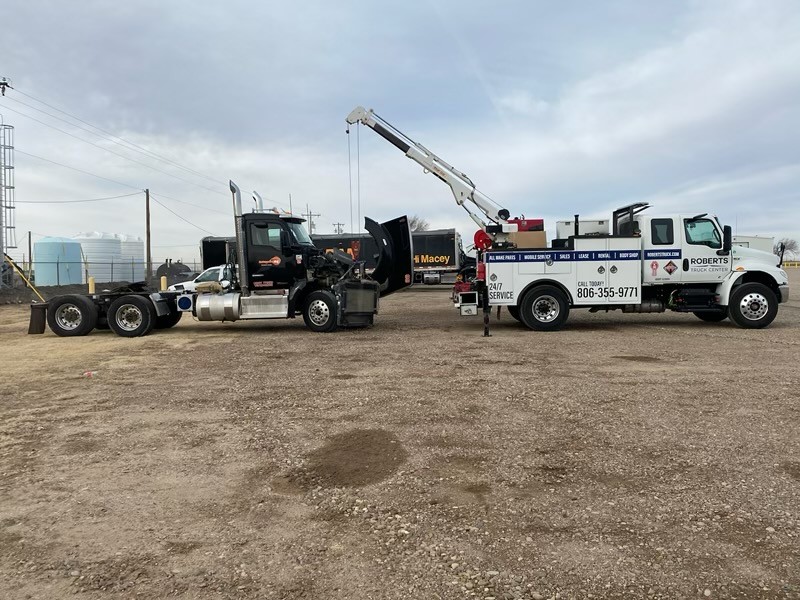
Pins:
x: 218, y: 307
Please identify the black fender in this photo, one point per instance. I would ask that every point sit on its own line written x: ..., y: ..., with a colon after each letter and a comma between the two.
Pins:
x: 298, y: 293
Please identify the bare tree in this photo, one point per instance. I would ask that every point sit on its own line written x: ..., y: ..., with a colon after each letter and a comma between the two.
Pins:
x: 417, y: 223
x: 792, y: 247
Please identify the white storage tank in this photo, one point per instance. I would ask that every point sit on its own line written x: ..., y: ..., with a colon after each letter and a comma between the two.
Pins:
x: 57, y: 261
x: 103, y: 255
x: 132, y: 258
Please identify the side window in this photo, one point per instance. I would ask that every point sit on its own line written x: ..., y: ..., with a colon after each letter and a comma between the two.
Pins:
x: 702, y: 232
x: 661, y: 233
x: 266, y: 234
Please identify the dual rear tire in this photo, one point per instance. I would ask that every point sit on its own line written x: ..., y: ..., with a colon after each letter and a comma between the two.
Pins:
x: 131, y: 316
x: 127, y: 316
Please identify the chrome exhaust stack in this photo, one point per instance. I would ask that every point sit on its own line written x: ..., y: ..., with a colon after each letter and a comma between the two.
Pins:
x: 241, y: 269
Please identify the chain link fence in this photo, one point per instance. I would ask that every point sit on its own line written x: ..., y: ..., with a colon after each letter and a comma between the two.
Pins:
x: 54, y: 278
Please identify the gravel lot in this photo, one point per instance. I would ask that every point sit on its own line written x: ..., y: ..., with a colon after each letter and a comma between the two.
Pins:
x: 628, y: 455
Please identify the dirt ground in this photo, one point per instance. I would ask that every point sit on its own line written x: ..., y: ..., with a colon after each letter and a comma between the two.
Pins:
x: 628, y: 455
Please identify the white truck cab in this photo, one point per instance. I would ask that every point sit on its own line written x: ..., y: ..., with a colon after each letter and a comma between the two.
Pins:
x: 220, y: 274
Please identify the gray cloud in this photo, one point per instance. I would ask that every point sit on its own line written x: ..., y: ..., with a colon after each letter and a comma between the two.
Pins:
x: 551, y: 109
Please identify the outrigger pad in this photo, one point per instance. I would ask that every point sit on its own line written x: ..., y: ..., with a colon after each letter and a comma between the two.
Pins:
x: 38, y: 318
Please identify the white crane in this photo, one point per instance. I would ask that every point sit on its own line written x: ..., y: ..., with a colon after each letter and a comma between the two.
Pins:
x: 463, y: 188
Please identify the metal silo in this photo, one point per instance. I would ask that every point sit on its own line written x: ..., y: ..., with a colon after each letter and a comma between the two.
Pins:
x: 132, y: 248
x: 103, y: 255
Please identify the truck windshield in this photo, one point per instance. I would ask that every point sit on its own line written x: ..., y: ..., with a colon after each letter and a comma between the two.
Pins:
x: 299, y: 233
x: 210, y: 275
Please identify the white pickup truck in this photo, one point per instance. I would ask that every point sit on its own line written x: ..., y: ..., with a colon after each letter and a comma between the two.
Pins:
x: 220, y: 274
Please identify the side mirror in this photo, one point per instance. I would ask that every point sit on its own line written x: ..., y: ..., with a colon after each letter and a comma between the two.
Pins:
x: 727, y: 239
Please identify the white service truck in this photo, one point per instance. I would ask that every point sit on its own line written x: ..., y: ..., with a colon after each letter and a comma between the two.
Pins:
x: 644, y: 263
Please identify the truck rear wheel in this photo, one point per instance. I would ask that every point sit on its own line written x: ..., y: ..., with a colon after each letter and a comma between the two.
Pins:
x: 753, y: 306
x: 319, y: 311
x: 712, y: 317
x: 131, y: 316
x: 71, y: 315
x: 544, y: 308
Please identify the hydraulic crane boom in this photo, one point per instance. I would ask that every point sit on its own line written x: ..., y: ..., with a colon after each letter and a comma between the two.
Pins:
x: 462, y: 187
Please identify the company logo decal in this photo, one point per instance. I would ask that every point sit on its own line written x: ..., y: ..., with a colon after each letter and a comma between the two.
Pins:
x: 275, y: 261
x: 654, y: 268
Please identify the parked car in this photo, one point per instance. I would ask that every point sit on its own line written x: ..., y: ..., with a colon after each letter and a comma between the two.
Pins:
x: 220, y: 274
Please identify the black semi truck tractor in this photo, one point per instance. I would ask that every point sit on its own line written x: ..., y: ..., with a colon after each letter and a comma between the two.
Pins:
x: 276, y: 273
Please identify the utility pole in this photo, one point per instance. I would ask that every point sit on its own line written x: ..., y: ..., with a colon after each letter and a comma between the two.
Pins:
x: 338, y: 228
x: 291, y: 212
x: 149, y: 260
x: 310, y: 216
x: 30, y: 256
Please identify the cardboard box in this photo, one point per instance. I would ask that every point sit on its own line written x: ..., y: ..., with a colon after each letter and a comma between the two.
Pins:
x: 529, y: 239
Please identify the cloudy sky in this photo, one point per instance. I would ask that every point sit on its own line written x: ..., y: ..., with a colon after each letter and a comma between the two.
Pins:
x: 551, y: 108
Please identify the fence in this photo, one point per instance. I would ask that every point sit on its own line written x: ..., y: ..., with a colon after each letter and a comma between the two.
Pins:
x: 65, y: 272
x: 791, y: 264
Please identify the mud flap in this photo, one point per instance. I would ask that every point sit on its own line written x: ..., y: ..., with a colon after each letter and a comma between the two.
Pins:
x: 395, y: 267
x: 38, y: 318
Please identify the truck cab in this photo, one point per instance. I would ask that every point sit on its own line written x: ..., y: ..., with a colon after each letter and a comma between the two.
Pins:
x: 278, y: 250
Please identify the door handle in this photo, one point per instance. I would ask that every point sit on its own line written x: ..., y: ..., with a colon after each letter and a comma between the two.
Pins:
x: 685, y: 264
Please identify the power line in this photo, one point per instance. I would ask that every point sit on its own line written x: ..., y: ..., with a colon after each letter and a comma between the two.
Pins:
x: 74, y: 201
x: 195, y: 205
x: 179, y: 216
x: 106, y: 179
x: 133, y: 146
x: 138, y: 162
x: 18, y: 151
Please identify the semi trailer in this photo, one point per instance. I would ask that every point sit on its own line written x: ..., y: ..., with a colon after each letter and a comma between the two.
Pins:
x: 636, y: 263
x: 275, y: 273
x: 438, y: 253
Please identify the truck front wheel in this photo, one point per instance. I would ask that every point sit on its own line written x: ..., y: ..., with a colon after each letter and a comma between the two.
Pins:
x: 544, y: 308
x: 753, y: 305
x: 513, y: 311
x: 131, y: 316
x: 71, y: 315
x: 320, y: 311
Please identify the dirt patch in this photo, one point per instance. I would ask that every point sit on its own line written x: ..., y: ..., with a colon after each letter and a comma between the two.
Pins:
x: 426, y: 473
x: 356, y: 458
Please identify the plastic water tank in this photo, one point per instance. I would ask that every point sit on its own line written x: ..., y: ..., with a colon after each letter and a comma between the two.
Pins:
x: 57, y: 261
x: 103, y: 255
x: 132, y: 248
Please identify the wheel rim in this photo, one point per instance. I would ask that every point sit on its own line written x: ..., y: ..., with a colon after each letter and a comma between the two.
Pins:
x: 545, y: 309
x: 753, y: 306
x: 318, y: 312
x: 129, y: 317
x: 69, y: 317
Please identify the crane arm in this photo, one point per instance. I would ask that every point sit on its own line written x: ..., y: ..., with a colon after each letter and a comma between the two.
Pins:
x: 462, y: 187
